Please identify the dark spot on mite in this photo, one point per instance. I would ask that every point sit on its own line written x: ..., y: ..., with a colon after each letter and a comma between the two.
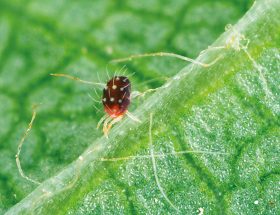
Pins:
x: 116, y: 96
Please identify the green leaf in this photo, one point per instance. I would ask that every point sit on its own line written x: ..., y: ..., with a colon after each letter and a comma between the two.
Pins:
x: 231, y: 108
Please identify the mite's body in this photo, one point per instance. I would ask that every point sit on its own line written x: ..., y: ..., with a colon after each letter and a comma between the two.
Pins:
x: 116, y: 100
x: 116, y: 96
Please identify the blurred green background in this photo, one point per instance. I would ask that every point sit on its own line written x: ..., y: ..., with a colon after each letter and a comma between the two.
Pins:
x: 39, y: 37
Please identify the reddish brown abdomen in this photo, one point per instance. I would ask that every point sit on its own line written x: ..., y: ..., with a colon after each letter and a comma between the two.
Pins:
x: 116, y: 96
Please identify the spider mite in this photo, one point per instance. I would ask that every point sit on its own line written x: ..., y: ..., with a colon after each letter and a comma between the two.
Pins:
x: 117, y: 91
x: 115, y: 99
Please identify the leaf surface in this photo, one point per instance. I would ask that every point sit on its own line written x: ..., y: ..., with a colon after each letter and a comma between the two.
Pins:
x: 231, y: 107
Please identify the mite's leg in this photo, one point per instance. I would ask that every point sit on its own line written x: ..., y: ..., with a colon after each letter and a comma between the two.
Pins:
x: 78, y: 79
x: 136, y: 94
x: 105, y: 126
x: 108, y: 123
x: 211, y: 48
x: 166, y: 54
x: 101, y: 121
x: 21, y: 144
x: 114, y: 121
x: 236, y: 41
x: 131, y: 116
